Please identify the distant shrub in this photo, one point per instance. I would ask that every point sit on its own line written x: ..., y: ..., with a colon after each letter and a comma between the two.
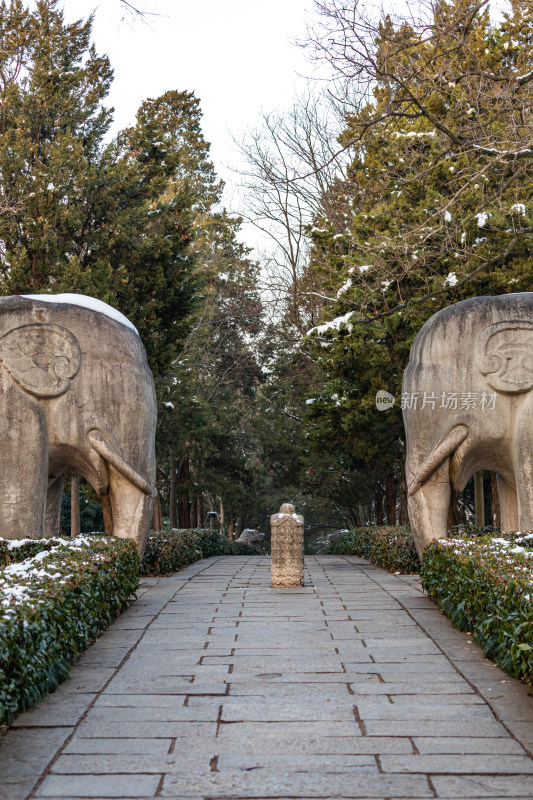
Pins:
x: 484, y: 585
x: 243, y: 549
x: 390, y: 547
x: 473, y: 531
x: 170, y: 551
x: 315, y: 545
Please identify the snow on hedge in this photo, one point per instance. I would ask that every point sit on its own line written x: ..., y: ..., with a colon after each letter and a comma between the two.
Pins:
x: 484, y: 585
x: 52, y: 605
x: 22, y: 581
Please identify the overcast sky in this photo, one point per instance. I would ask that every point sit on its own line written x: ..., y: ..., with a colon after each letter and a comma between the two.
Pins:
x: 236, y: 55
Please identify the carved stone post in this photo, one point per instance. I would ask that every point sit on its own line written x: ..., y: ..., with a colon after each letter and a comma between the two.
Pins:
x: 287, y: 547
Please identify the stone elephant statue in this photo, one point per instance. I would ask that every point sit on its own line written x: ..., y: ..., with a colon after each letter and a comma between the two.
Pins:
x: 468, y: 405
x: 77, y: 396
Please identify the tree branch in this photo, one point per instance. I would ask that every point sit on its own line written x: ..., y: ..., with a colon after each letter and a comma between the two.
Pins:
x: 491, y: 262
x: 132, y: 9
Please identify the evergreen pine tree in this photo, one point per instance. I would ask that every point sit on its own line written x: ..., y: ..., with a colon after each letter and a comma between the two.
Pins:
x: 115, y: 221
x: 439, y: 195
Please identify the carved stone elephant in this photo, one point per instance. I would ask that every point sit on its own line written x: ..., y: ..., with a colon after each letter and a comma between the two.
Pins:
x: 76, y: 395
x: 468, y: 405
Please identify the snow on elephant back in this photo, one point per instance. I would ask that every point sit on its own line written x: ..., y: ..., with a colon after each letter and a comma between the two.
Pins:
x: 468, y: 405
x: 78, y: 396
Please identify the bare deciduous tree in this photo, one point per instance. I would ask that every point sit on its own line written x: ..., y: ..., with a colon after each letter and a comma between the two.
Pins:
x: 132, y: 9
x: 291, y: 163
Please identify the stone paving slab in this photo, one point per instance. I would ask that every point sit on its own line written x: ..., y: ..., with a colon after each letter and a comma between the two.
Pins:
x: 466, y: 745
x: 263, y: 783
x: 117, y: 746
x: 214, y: 686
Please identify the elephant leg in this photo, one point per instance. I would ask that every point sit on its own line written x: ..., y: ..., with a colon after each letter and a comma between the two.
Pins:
x: 23, y: 467
x: 508, y: 505
x: 131, y: 508
x: 523, y: 472
x: 428, y: 508
x: 53, y: 507
x: 525, y: 505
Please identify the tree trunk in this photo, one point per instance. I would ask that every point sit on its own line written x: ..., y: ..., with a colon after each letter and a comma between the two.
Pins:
x: 157, y: 514
x: 461, y: 511
x: 230, y: 530
x: 200, y: 512
x: 173, y: 502
x: 479, y: 499
x: 194, y: 514
x: 222, y: 520
x: 107, y: 513
x: 404, y: 510
x: 75, y: 522
x: 361, y: 514
x: 390, y: 499
x: 378, y: 505
x: 453, y: 511
x: 183, y: 493
x: 495, y: 500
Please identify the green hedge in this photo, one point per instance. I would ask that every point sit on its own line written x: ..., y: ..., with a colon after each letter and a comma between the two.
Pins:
x: 485, y: 586
x: 390, y: 547
x: 52, y: 606
x: 58, y: 595
x: 166, y: 552
x: 15, y: 550
x: 170, y: 551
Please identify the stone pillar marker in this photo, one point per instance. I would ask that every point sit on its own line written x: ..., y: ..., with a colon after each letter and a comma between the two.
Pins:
x: 287, y: 547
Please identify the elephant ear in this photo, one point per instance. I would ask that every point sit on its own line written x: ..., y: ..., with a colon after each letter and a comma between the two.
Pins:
x: 504, y: 354
x: 41, y: 358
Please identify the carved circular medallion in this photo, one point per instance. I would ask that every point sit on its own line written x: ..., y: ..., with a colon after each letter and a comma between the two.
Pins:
x: 41, y: 358
x: 504, y: 354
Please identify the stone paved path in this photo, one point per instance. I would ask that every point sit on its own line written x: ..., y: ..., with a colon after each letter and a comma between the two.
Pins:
x: 213, y: 685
